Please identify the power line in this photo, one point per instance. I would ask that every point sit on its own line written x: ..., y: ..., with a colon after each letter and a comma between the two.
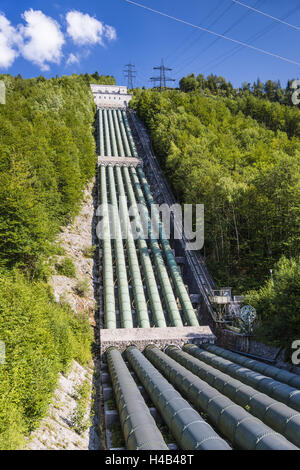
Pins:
x: 188, y: 44
x: 189, y: 61
x: 205, y: 49
x: 241, y: 43
x: 162, y: 79
x: 266, y: 14
x: 130, y: 74
x: 220, y: 59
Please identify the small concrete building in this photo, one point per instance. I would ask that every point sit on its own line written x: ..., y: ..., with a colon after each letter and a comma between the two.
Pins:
x: 111, y: 96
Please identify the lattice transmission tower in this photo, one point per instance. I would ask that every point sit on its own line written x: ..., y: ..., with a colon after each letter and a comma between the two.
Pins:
x: 162, y: 79
x: 130, y: 74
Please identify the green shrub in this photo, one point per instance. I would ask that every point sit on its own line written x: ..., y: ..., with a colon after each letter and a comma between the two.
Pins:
x: 278, y: 305
x: 58, y: 250
x: 66, y: 267
x: 82, y: 288
x: 41, y: 339
x: 79, y: 421
x: 89, y: 251
x: 111, y: 404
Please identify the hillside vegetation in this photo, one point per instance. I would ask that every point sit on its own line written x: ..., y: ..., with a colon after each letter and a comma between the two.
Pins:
x: 47, y: 155
x: 278, y: 304
x: 261, y: 101
x: 245, y: 171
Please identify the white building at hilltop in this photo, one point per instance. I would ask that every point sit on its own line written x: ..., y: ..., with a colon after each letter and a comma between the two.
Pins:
x: 111, y: 96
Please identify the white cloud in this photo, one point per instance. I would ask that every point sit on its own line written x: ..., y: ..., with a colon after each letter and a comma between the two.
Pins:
x: 110, y: 33
x: 72, y: 59
x: 43, y: 39
x: 9, y: 38
x: 40, y: 40
x: 86, y: 30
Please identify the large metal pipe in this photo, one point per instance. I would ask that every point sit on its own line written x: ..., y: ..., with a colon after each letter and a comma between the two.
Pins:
x: 118, y: 134
x: 278, y: 416
x: 153, y: 294
x: 124, y: 296
x: 124, y: 135
x: 106, y: 133
x: 139, y: 428
x: 129, y: 135
x: 270, y: 371
x: 163, y: 275
x: 233, y: 421
x: 101, y: 133
x: 182, y: 293
x: 137, y: 284
x: 188, y: 428
x: 108, y: 274
x: 277, y: 390
x: 112, y: 134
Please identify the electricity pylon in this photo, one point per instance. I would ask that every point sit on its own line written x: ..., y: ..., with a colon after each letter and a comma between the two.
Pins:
x: 130, y: 74
x: 162, y: 79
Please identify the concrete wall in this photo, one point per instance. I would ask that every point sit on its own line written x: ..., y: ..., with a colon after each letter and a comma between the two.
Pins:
x: 111, y: 100
x: 109, y: 89
x: 161, y: 337
x: 111, y: 96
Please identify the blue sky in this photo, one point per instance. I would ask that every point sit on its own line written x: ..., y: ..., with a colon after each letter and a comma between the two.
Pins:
x: 55, y: 38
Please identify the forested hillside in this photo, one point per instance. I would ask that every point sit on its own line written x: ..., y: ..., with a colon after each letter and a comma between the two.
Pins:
x: 47, y: 155
x: 261, y: 101
x: 218, y: 86
x: 246, y: 171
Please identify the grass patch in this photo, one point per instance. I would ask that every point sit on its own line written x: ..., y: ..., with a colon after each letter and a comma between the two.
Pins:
x: 82, y: 288
x: 58, y: 249
x: 66, y: 267
x: 89, y: 251
x: 111, y: 404
x: 80, y: 421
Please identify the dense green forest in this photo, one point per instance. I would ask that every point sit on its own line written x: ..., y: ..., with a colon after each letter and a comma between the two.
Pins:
x: 47, y: 155
x: 240, y: 156
x: 278, y: 305
x: 261, y: 101
x: 219, y: 86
